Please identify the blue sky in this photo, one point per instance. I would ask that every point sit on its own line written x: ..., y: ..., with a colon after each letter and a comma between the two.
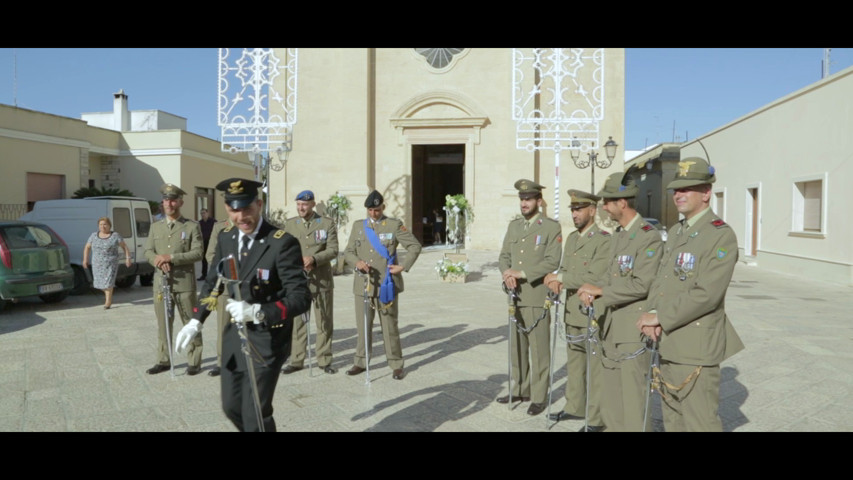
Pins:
x: 671, y: 94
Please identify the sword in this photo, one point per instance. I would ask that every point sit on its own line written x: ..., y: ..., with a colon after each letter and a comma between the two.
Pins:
x: 590, y: 313
x: 554, y: 298
x: 654, y: 361
x: 512, y: 297
x: 368, y: 334
x: 306, y: 317
x: 168, y: 318
x: 228, y: 272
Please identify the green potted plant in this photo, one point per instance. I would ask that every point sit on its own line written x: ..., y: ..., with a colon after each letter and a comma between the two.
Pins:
x: 336, y: 208
x: 452, y: 271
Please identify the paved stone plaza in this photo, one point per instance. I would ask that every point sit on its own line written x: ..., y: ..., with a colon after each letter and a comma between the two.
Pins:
x: 75, y: 367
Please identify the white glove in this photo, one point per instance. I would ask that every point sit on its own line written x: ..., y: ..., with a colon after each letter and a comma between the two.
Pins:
x: 243, y: 312
x: 186, y: 335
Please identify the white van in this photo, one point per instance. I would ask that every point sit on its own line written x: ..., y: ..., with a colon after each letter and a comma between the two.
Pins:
x: 75, y: 219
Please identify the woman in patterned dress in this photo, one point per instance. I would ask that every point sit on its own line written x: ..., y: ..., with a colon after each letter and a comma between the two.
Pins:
x: 104, y: 245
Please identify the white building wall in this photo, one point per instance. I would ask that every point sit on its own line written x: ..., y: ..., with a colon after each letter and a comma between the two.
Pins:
x: 802, y: 136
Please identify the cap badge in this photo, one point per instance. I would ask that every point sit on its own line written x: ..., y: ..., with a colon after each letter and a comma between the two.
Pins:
x: 684, y: 167
x: 235, y: 188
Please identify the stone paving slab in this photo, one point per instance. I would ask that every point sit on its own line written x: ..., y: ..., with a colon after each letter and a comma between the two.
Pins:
x: 75, y: 367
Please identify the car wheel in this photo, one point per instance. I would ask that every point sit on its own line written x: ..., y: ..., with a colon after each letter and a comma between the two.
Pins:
x: 146, y: 280
x: 126, y: 282
x: 81, y: 282
x: 54, y: 297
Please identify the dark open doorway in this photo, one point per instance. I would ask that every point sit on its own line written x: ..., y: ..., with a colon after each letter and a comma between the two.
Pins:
x: 437, y: 170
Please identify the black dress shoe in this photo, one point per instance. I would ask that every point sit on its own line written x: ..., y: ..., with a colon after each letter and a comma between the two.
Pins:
x: 399, y: 374
x: 563, y: 415
x: 214, y: 372
x: 157, y: 369
x: 200, y: 278
x: 592, y: 428
x: 193, y: 370
x: 505, y: 399
x: 329, y: 369
x: 355, y: 370
x: 536, y: 408
x: 290, y: 369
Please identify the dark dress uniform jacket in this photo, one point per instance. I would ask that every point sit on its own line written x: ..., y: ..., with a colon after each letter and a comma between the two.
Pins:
x: 271, y: 276
x: 696, y: 330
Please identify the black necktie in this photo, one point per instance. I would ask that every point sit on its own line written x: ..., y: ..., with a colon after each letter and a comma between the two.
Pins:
x: 244, y: 250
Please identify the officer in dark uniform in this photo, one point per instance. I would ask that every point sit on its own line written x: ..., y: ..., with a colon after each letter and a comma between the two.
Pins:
x: 273, y: 291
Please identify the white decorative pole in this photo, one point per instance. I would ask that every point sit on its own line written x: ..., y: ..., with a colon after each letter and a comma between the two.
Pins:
x: 557, y: 96
x: 257, y: 105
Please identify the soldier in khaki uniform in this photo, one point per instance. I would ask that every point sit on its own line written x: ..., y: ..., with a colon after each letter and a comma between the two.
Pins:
x: 634, y: 258
x: 362, y: 252
x: 222, y: 316
x: 531, y: 249
x: 173, y: 247
x: 686, y: 308
x: 318, y: 238
x: 585, y: 260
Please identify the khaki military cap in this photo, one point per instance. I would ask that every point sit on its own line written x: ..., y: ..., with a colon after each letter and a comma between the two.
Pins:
x: 619, y: 185
x: 582, y: 198
x: 172, y: 191
x: 528, y: 188
x: 692, y: 171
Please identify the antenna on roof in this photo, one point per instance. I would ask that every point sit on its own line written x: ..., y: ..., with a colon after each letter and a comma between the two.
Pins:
x: 15, y: 76
x: 825, y: 63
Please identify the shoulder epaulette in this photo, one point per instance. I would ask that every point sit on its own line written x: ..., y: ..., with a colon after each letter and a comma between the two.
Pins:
x: 718, y: 223
x: 647, y: 227
x: 278, y: 234
x: 604, y: 232
x: 228, y: 228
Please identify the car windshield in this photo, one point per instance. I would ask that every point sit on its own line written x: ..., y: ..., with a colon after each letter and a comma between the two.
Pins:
x: 27, y: 236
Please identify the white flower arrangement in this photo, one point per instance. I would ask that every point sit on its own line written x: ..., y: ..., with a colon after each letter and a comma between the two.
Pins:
x: 459, y: 216
x: 445, y: 267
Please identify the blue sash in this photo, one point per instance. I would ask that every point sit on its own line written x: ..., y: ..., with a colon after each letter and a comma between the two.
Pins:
x: 386, y: 290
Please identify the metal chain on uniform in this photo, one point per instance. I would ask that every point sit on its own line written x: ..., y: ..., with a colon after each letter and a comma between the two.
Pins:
x: 662, y: 386
x: 513, y: 293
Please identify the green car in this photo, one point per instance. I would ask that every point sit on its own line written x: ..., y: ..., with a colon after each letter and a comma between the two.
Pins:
x: 34, y: 262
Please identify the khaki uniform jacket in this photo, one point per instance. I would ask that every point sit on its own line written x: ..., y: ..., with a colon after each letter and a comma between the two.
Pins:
x: 696, y: 330
x: 319, y: 239
x: 585, y: 260
x: 392, y: 234
x: 634, y: 259
x: 184, y: 243
x: 214, y: 239
x: 535, y: 251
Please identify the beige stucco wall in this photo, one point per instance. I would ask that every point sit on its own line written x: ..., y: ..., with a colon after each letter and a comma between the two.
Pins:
x: 361, y: 110
x: 803, y: 135
x: 39, y: 142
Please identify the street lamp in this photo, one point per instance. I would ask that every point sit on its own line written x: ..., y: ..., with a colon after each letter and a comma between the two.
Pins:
x: 592, y: 158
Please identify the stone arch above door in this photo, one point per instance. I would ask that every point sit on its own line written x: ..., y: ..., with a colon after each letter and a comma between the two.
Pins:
x: 444, y: 113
